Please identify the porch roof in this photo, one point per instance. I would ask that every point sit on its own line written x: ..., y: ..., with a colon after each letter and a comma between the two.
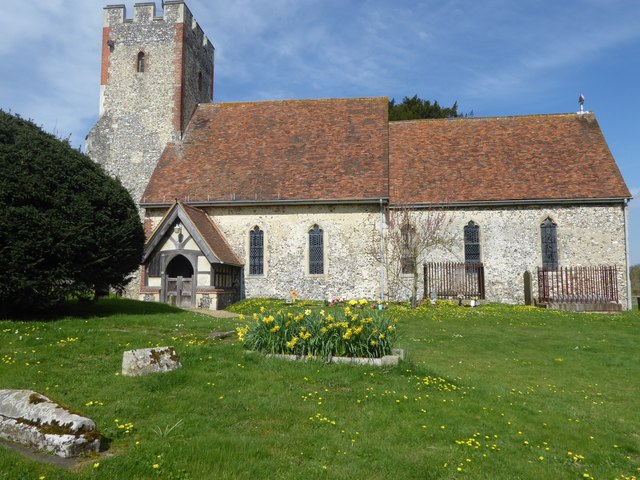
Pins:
x: 202, y: 229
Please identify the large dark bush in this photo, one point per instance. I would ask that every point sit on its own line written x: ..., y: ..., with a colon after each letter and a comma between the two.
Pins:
x: 66, y: 227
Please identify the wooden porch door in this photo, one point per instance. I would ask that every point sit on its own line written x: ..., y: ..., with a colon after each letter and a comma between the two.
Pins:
x: 178, y: 283
x: 180, y: 291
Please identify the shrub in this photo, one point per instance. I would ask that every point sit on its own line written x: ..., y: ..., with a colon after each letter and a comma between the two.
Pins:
x: 352, y: 331
x: 66, y: 227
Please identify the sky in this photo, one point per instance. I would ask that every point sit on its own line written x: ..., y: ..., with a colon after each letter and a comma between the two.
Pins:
x: 492, y: 57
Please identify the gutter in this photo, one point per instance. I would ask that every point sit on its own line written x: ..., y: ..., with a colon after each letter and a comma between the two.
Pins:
x: 244, y: 203
x: 625, y: 212
x: 382, y: 259
x: 513, y: 203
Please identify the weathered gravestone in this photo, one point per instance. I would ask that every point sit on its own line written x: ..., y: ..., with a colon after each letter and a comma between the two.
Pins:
x: 32, y: 419
x: 149, y: 360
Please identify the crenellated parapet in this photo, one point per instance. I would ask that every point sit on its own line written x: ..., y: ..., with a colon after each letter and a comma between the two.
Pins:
x: 174, y: 12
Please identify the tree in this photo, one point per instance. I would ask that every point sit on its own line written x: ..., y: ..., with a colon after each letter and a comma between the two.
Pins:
x: 404, y: 242
x: 66, y: 227
x: 635, y: 280
x: 416, y: 108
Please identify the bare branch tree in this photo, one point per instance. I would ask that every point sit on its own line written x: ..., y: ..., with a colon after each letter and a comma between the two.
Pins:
x: 403, y: 243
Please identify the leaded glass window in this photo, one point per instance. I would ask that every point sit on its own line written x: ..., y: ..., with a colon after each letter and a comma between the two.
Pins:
x: 256, y: 251
x: 407, y: 260
x: 316, y: 251
x: 472, y: 243
x: 549, y: 244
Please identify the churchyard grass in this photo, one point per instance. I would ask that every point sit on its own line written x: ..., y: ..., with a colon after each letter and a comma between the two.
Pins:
x: 489, y: 392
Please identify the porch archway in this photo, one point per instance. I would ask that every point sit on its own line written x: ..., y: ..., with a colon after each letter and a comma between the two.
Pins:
x: 178, y: 282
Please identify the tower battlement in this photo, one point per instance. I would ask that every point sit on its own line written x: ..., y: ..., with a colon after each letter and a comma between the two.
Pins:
x: 174, y: 12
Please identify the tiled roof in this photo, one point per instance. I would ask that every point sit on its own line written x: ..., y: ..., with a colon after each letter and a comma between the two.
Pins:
x: 299, y: 150
x: 541, y: 157
x: 212, y: 235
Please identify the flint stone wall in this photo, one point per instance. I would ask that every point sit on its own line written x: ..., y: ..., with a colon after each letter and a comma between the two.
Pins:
x: 149, y: 360
x: 349, y: 270
x: 140, y: 112
x: 34, y: 420
x: 510, y: 245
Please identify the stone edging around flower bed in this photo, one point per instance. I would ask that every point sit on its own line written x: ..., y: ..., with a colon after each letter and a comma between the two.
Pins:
x: 392, y: 360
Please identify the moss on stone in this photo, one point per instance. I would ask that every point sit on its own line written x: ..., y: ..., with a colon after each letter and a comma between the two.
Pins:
x: 36, y: 398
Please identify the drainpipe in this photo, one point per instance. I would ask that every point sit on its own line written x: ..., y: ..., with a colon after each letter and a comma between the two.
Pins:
x: 625, y: 210
x: 382, y: 259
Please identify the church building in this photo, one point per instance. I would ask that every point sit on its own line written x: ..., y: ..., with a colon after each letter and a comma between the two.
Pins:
x: 293, y: 198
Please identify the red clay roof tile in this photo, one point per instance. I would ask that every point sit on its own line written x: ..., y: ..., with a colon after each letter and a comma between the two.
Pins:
x: 335, y: 149
x: 539, y: 157
x: 211, y: 234
x: 345, y: 149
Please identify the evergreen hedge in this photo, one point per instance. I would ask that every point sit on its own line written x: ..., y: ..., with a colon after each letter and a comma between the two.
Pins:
x: 66, y: 227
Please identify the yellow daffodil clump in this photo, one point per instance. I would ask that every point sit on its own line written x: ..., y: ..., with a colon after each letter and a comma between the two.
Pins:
x: 319, y: 333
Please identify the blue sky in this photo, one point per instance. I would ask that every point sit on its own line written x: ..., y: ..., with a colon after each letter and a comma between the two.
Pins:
x: 494, y: 57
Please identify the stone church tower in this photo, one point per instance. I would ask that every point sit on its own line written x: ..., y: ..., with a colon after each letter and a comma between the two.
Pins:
x: 155, y: 70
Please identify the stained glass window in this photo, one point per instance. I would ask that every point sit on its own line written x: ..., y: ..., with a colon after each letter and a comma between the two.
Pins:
x: 472, y: 243
x: 549, y: 244
x: 407, y: 260
x: 256, y: 251
x: 316, y: 251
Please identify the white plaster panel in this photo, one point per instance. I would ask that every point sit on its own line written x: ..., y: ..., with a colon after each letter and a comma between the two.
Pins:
x: 203, y: 264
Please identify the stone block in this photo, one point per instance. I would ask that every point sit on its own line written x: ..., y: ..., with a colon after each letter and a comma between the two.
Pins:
x: 31, y: 419
x: 392, y: 360
x: 149, y: 360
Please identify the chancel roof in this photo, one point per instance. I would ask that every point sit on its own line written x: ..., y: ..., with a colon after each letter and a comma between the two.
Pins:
x: 502, y: 159
x: 298, y: 150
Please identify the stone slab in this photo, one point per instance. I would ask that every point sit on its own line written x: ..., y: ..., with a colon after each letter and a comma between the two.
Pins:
x: 388, y: 360
x: 29, y: 418
x: 149, y: 360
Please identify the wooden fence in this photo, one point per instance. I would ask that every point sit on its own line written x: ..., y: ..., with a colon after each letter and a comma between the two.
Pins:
x: 451, y: 279
x: 597, y: 284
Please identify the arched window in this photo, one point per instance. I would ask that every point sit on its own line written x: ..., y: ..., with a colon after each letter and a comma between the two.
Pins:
x: 549, y: 244
x: 408, y: 261
x: 140, y: 63
x: 256, y: 251
x: 471, y: 243
x: 316, y: 251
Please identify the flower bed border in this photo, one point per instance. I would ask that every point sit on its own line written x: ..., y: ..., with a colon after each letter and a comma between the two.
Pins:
x: 392, y: 360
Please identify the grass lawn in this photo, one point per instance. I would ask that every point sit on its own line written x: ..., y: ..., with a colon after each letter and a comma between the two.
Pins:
x: 493, y: 392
